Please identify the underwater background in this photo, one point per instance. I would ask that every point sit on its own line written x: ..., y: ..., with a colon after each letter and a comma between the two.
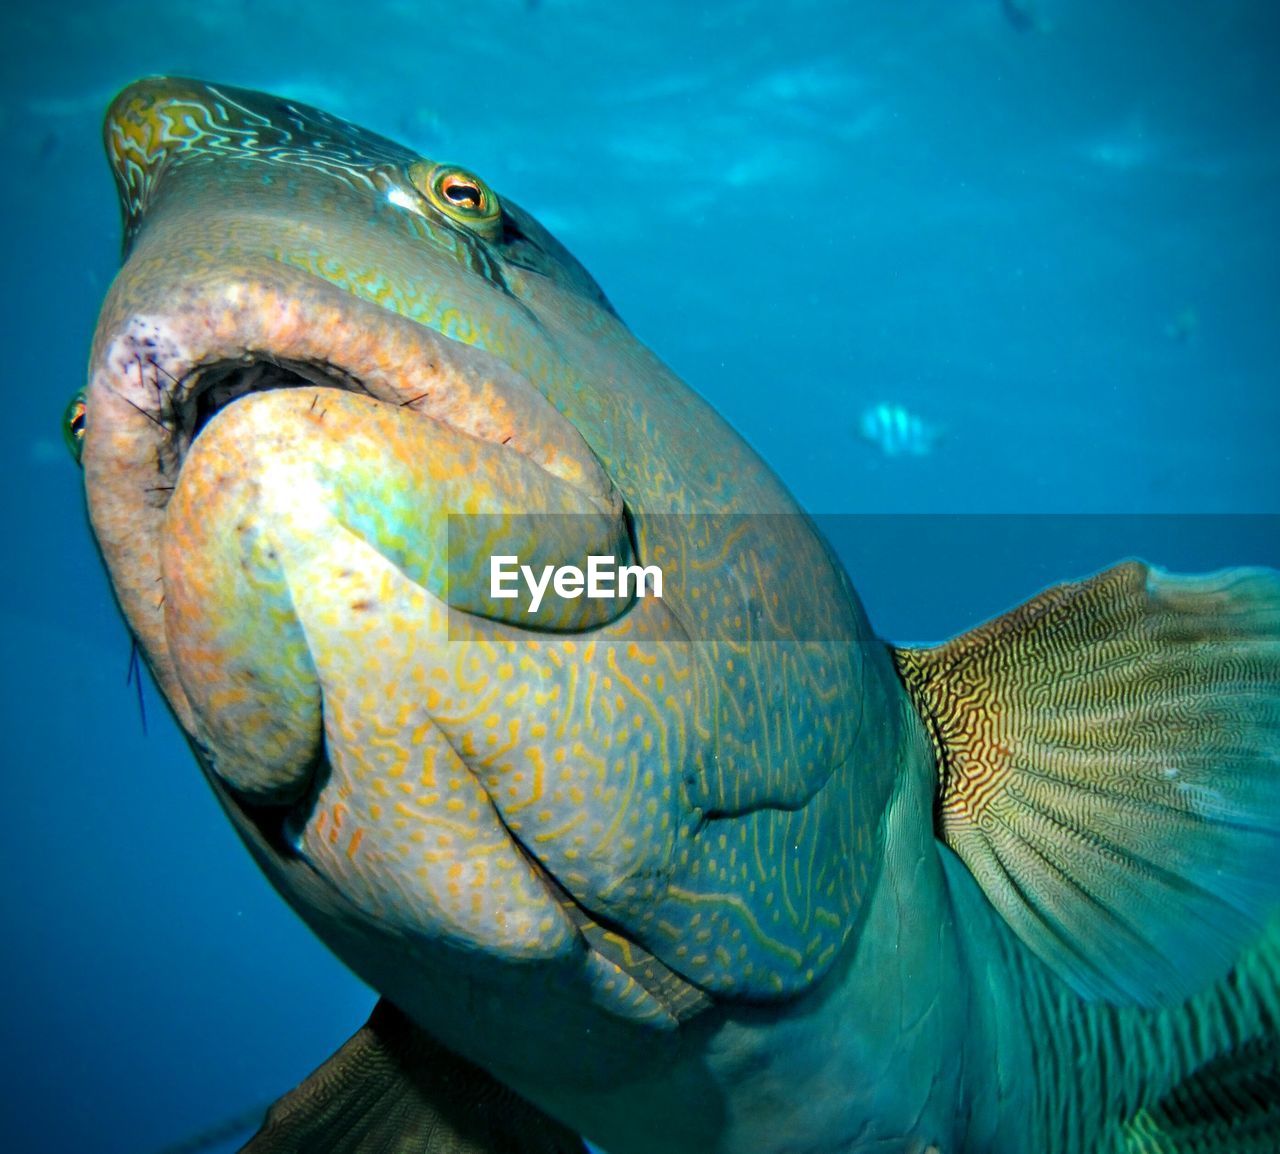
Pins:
x: 1014, y: 264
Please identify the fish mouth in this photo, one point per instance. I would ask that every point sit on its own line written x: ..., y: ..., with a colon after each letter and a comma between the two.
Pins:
x: 210, y: 389
x: 173, y: 357
x: 227, y: 411
x: 180, y: 407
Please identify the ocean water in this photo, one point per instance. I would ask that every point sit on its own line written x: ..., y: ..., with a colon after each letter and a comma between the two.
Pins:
x: 1058, y: 245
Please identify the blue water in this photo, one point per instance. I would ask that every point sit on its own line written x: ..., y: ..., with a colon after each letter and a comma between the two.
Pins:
x: 1061, y: 247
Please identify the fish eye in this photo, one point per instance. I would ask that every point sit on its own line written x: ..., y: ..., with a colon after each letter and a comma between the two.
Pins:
x: 460, y: 195
x: 461, y: 192
x: 74, y: 424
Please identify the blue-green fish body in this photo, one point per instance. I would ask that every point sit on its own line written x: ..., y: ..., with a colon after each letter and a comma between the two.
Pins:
x: 710, y: 871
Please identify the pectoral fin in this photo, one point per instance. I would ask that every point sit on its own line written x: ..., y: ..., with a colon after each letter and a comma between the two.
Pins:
x: 1109, y: 756
x: 393, y: 1090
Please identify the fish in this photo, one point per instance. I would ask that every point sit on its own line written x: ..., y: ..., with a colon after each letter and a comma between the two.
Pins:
x: 717, y: 870
x: 1183, y: 327
x: 896, y: 432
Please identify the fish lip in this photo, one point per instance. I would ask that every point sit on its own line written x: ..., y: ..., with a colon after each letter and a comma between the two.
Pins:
x: 179, y: 391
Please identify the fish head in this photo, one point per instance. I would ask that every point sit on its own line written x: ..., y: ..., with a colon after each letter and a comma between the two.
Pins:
x: 332, y: 382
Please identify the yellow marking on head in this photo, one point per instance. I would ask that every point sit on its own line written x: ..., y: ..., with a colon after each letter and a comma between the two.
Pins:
x: 543, y: 697
x: 551, y: 835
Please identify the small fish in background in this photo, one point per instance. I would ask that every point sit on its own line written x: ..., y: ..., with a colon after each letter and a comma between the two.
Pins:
x: 1183, y: 327
x: 897, y: 432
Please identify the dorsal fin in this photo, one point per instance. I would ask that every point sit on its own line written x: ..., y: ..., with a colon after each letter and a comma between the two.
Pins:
x: 1109, y: 759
